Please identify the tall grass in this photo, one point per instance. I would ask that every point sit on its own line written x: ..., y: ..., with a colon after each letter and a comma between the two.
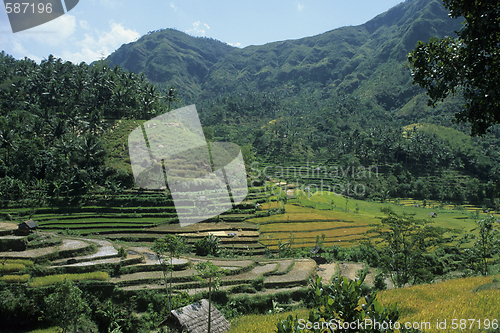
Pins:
x: 452, y: 299
x: 262, y: 323
x: 15, y: 278
x: 14, y: 265
x: 51, y: 279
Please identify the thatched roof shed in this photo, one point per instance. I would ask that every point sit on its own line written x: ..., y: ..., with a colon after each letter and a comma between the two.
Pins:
x: 194, y: 318
x: 27, y: 226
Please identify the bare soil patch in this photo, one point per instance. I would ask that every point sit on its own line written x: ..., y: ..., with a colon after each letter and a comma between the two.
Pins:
x: 100, y: 261
x: 151, y: 259
x: 326, y: 272
x: 205, y: 227
x: 346, y: 269
x: 67, y: 244
x: 7, y: 228
x: 299, y: 274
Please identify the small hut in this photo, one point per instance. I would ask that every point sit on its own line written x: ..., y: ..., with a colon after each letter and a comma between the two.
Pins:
x: 27, y: 226
x: 316, y: 252
x: 193, y: 318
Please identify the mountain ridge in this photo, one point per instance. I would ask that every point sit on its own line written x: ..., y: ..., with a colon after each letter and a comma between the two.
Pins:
x: 351, y: 59
x: 347, y: 59
x: 171, y: 57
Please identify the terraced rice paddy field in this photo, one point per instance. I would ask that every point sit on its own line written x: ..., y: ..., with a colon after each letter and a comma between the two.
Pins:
x: 143, y: 216
x: 135, y: 220
x: 98, y: 260
x: 346, y: 222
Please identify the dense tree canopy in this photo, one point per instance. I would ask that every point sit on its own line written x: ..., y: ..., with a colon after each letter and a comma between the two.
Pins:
x: 52, y: 118
x: 468, y: 64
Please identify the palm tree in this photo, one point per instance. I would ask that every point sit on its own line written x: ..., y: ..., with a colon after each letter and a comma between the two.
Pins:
x: 172, y: 96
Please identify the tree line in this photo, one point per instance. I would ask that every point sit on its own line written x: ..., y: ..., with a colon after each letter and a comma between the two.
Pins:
x: 52, y: 118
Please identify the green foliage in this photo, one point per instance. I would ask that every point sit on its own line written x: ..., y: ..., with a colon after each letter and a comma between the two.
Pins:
x: 52, y: 120
x: 208, y: 245
x: 258, y: 283
x: 173, y: 246
x: 339, y: 303
x: 18, y: 309
x: 113, y: 315
x: 405, y: 241
x: 66, y: 306
x: 379, y: 282
x: 181, y: 299
x: 486, y: 245
x: 465, y: 64
x: 122, y: 252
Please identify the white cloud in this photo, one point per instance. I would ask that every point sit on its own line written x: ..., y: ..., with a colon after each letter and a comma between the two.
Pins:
x: 235, y: 44
x: 174, y: 7
x: 300, y: 6
x: 52, y: 33
x: 198, y: 28
x: 94, y: 48
x: 84, y: 24
x: 18, y: 48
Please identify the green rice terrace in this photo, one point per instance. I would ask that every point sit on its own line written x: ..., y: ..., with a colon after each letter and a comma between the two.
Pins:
x: 115, y: 240
x: 107, y: 242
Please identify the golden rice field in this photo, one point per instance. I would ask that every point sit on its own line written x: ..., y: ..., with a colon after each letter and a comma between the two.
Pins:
x: 436, y: 204
x: 305, y: 222
x: 262, y: 323
x: 15, y: 278
x: 453, y: 299
x: 14, y: 265
x: 304, y: 237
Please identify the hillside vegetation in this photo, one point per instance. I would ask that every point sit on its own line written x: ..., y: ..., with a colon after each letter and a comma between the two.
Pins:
x: 342, y: 154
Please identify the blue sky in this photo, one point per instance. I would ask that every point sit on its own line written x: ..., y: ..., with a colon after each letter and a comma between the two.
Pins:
x: 95, y: 28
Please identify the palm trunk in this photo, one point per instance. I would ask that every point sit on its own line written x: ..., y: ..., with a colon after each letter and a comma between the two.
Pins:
x: 209, y: 304
x: 171, y: 277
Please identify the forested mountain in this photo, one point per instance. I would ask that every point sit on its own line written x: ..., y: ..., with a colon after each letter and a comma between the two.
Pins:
x: 171, y: 57
x: 346, y: 97
x: 52, y: 119
x: 367, y: 60
x: 342, y: 98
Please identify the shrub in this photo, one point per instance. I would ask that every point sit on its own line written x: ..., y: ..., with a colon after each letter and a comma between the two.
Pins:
x: 207, y: 246
x: 122, y: 252
x: 379, y: 282
x: 339, y: 303
x: 258, y: 283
